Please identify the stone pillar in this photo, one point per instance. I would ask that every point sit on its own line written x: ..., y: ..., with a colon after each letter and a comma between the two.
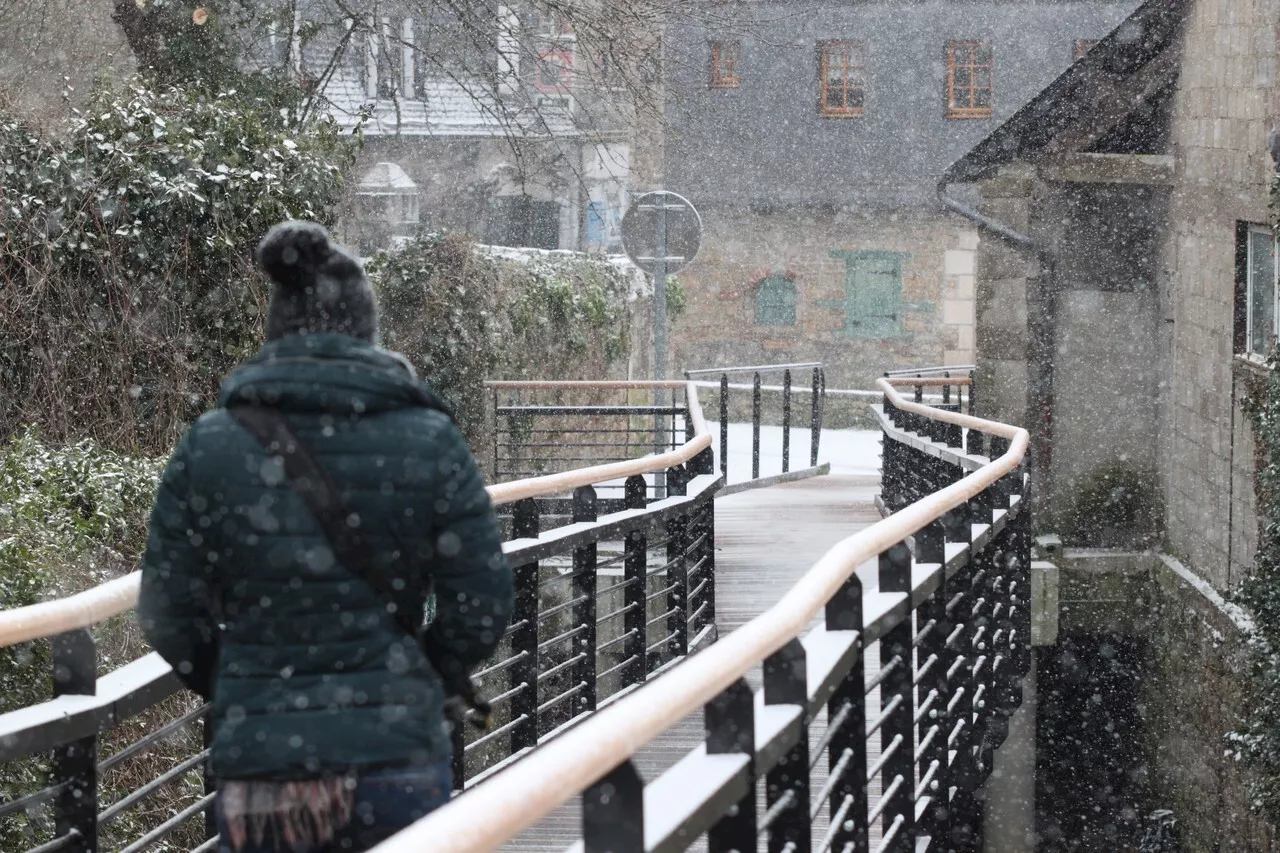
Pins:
x: 1003, y: 272
x: 1009, y: 818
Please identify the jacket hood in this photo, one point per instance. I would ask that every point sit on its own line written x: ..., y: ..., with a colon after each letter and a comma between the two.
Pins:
x: 326, y: 373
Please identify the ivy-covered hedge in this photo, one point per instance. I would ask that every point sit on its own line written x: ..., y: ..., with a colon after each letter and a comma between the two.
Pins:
x: 127, y: 287
x: 70, y: 518
x: 1257, y: 743
x: 463, y: 316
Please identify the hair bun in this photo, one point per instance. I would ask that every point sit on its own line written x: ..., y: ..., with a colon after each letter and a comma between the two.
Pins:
x: 293, y: 252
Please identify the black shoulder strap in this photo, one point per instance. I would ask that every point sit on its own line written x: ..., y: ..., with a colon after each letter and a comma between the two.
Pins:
x: 314, y: 485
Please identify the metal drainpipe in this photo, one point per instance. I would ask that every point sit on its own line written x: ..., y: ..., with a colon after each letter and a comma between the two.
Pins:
x: 1041, y: 381
x: 987, y: 222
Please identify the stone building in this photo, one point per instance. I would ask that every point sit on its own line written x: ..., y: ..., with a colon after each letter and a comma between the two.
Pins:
x: 1126, y: 292
x: 810, y: 136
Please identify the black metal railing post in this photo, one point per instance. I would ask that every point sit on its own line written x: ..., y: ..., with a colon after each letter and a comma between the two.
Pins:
x: 815, y: 417
x: 786, y: 421
x: 75, y: 764
x: 755, y: 427
x: 525, y: 524
x: 847, y: 716
x: 974, y: 443
x: 1020, y: 592
x: 897, y: 736
x: 636, y: 575
x: 724, y: 426
x: 702, y: 557
x: 678, y: 530
x: 613, y: 812
x: 787, y: 783
x: 933, y: 692
x: 729, y: 720
x: 585, y: 508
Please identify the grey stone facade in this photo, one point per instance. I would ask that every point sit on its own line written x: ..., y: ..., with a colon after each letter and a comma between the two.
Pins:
x: 1114, y: 341
x: 788, y: 192
x: 1136, y: 363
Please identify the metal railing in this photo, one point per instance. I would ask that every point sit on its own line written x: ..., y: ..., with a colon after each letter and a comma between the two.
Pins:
x: 541, y: 428
x: 816, y: 387
x: 603, y: 603
x: 946, y: 605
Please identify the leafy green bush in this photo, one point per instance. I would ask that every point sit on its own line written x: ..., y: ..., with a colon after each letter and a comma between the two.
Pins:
x: 70, y: 518
x: 126, y: 255
x: 463, y: 317
x: 1257, y: 742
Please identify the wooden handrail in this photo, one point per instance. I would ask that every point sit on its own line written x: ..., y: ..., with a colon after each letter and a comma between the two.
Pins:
x: 497, y: 810
x: 88, y: 608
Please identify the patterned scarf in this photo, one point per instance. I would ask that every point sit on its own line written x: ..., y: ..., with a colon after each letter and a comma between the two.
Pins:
x: 309, y: 812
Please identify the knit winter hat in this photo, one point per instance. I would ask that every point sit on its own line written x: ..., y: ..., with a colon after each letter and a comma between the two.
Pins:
x: 319, y: 285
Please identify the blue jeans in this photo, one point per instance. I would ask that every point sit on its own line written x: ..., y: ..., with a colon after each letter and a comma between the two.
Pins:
x: 386, y: 802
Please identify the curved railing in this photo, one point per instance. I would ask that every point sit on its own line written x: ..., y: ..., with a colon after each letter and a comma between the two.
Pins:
x: 618, y: 593
x: 954, y: 631
x: 88, y: 608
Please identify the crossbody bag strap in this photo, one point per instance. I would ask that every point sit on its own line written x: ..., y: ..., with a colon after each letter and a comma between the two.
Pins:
x: 316, y: 488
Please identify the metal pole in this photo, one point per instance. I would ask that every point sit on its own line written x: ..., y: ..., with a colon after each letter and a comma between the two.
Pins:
x: 786, y: 421
x: 815, y: 421
x: 724, y: 427
x: 660, y: 338
x: 755, y: 428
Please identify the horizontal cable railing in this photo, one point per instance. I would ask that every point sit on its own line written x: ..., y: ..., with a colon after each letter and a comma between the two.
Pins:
x: 609, y: 597
x: 945, y: 607
x: 93, y: 606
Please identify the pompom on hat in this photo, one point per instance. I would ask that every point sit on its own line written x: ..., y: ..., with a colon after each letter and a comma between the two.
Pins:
x: 319, y: 285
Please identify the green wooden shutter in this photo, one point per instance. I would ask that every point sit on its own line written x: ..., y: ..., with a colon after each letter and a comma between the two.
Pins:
x: 776, y: 302
x: 877, y: 296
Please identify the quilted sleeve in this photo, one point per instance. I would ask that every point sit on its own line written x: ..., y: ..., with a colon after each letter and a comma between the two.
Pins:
x: 473, y: 583
x: 175, y: 605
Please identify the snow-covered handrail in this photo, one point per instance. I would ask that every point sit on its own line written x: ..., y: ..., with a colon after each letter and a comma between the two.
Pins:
x: 88, y: 608
x: 531, y: 788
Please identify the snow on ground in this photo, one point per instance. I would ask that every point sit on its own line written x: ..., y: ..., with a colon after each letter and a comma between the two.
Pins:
x: 850, y: 451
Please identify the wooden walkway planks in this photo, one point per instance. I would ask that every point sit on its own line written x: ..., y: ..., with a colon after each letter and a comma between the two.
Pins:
x: 765, y: 540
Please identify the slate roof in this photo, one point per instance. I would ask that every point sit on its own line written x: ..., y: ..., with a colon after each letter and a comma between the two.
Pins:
x: 764, y: 144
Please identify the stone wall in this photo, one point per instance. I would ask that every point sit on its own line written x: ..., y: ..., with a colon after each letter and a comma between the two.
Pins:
x: 930, y: 322
x: 1006, y: 273
x: 1225, y: 100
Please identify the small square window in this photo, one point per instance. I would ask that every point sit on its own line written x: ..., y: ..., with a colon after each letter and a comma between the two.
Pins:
x: 776, y: 301
x: 1082, y: 47
x: 842, y: 74
x: 970, y: 79
x: 724, y: 65
x: 1256, y: 292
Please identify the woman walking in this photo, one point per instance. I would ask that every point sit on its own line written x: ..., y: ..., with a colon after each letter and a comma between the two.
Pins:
x: 297, y: 533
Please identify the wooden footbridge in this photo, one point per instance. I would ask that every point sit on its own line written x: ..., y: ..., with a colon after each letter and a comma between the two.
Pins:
x: 689, y: 666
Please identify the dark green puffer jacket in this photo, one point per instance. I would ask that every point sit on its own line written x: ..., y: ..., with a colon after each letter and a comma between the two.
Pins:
x: 310, y: 674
